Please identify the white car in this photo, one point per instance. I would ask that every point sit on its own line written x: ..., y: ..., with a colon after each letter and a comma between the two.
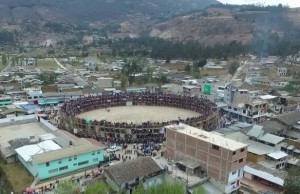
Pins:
x: 113, y: 149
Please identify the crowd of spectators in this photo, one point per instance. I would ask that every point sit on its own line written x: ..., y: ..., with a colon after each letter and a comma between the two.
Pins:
x: 128, y: 132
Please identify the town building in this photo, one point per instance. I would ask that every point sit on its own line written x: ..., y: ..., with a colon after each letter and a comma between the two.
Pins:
x: 223, y: 159
x: 33, y: 94
x: 80, y: 154
x: 44, y: 150
x: 277, y: 84
x: 241, y: 105
x: 265, y: 159
x: 189, y: 90
x: 104, y: 82
x: 127, y: 175
x: 282, y: 71
x: 235, y: 96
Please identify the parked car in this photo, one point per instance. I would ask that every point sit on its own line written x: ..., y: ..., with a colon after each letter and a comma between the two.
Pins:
x: 113, y: 149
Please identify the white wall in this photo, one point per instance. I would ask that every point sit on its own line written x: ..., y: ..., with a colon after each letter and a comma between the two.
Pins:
x: 231, y: 186
x: 20, y: 118
x: 237, y: 175
x: 49, y: 125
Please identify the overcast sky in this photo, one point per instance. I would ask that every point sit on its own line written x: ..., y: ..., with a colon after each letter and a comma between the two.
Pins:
x: 290, y: 3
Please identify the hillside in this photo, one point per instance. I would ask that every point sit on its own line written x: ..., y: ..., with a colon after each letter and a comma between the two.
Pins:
x: 94, y: 10
x: 84, y: 22
x: 224, y: 25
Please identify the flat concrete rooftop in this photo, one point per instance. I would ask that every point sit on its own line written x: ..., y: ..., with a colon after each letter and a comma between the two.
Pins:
x: 26, y: 130
x: 211, y: 137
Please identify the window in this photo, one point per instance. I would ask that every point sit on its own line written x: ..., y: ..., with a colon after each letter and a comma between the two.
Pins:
x: 233, y: 173
x: 52, y: 171
x: 47, y: 163
x: 241, y: 160
x: 59, y: 161
x: 243, y: 149
x: 98, y: 152
x: 95, y: 159
x: 70, y: 159
x: 215, y: 147
x: 74, y: 164
x: 63, y: 168
x: 93, y: 153
x: 277, y: 166
x: 233, y: 153
x: 83, y: 163
x: 75, y: 157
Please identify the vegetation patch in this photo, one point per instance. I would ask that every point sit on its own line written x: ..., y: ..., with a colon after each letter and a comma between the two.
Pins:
x: 46, y: 64
x: 18, y: 177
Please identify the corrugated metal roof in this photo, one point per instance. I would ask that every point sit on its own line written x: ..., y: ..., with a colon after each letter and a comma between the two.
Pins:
x: 277, y: 155
x: 79, y: 148
x: 256, y: 131
x: 29, y: 151
x: 270, y: 138
x: 132, y: 169
x: 272, y: 175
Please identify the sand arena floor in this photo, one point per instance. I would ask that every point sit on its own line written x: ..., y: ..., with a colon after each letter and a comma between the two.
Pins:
x: 138, y: 114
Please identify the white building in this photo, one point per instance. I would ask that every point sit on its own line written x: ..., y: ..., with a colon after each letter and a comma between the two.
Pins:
x: 105, y: 82
x: 282, y: 71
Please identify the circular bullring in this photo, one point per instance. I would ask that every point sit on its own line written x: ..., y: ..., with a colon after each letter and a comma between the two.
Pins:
x: 139, y: 114
x: 135, y: 118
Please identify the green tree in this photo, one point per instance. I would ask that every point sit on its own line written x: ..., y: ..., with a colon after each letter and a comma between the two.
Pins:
x: 98, y: 188
x: 13, y: 60
x: 47, y: 78
x: 168, y: 60
x: 202, y: 62
x: 197, y: 74
x: 187, y: 68
x: 232, y: 68
x: 149, y: 77
x: 199, y: 190
x: 67, y: 187
x: 166, y: 188
x: 130, y: 69
x: 4, y: 60
x: 124, y: 81
x: 163, y: 79
x: 292, y: 87
x: 139, y: 189
x: 292, y: 182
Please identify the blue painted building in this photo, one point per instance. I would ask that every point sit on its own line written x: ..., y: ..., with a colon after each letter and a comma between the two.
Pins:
x: 81, y: 154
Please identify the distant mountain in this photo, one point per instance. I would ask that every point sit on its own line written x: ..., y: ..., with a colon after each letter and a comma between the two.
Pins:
x: 223, y: 24
x: 95, y: 10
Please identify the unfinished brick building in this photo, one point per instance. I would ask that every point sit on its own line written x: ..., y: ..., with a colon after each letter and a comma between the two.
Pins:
x: 223, y: 159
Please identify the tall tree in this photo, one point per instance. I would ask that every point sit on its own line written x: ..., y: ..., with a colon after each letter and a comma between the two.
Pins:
x: 124, y: 81
x: 149, y: 75
x: 67, y: 187
x: 97, y: 188
x: 232, y: 68
x: 166, y: 188
x: 187, y: 68
x: 130, y: 69
x: 199, y: 190
x: 4, y: 60
x: 139, y: 189
x: 202, y: 62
